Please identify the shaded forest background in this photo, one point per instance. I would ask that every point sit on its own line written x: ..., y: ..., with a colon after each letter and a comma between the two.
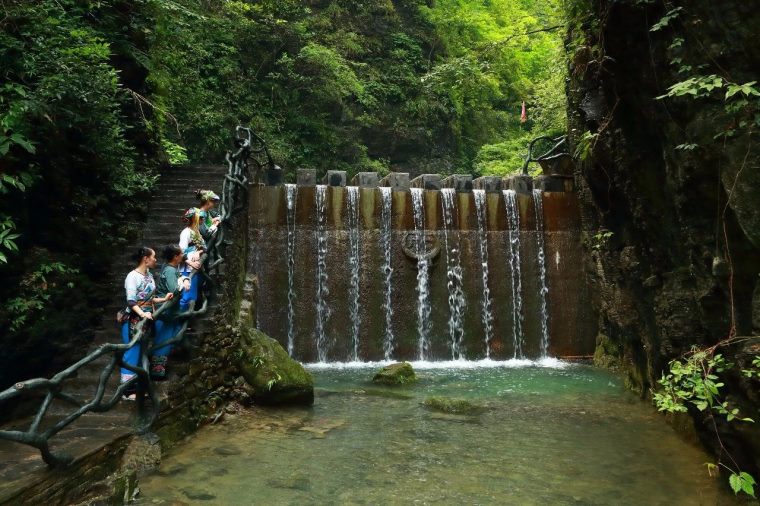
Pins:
x: 98, y: 97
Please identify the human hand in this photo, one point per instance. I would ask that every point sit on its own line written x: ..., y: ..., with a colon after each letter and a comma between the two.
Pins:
x: 148, y: 316
x: 169, y: 296
x: 186, y: 284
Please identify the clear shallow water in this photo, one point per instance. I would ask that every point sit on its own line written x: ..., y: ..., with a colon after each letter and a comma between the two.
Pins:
x: 562, y: 435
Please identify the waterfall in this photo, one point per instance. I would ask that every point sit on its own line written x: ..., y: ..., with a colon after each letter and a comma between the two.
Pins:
x: 387, y: 271
x: 453, y: 274
x: 354, y: 263
x: 291, y: 192
x: 513, y: 218
x: 485, y: 307
x: 323, y: 311
x: 538, y: 206
x: 423, y: 290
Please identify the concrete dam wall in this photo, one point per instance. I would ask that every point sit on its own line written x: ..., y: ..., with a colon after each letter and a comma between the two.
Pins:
x: 428, y: 269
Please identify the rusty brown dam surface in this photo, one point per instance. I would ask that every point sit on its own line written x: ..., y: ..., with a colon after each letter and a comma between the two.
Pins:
x: 364, y: 274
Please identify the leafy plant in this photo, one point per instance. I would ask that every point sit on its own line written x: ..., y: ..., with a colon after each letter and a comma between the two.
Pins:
x: 176, y: 153
x: 7, y: 237
x: 586, y: 144
x: 695, y: 381
x: 36, y: 292
x: 666, y: 19
x: 272, y: 382
x: 601, y: 239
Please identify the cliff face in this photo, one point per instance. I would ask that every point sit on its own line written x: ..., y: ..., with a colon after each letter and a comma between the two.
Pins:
x: 684, y: 220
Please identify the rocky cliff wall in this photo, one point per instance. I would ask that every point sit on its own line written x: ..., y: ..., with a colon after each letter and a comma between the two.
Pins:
x: 668, y: 187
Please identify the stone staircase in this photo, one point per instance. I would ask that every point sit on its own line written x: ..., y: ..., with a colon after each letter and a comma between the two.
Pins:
x: 174, y: 193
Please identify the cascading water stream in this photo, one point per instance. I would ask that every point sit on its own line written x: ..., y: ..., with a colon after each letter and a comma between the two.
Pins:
x: 354, y: 262
x: 538, y: 206
x: 485, y: 307
x: 323, y: 311
x: 387, y: 271
x: 453, y: 274
x: 513, y: 219
x: 291, y: 192
x: 423, y: 290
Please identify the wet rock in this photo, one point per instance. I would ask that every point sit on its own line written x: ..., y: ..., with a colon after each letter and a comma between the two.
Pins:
x: 198, y: 495
x: 396, y: 374
x: 226, y: 450
x: 142, y: 454
x: 274, y: 376
x: 453, y: 406
x: 320, y: 430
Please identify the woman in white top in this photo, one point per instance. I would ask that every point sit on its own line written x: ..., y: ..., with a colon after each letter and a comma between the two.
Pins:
x: 192, y: 244
x: 140, y: 287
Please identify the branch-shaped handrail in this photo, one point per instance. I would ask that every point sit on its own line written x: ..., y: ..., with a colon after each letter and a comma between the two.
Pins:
x: 233, y: 199
x: 557, y: 150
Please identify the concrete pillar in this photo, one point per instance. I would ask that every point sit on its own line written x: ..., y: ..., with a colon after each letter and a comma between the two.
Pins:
x: 491, y: 184
x: 554, y: 183
x: 306, y: 177
x: 426, y: 182
x: 462, y: 183
x: 397, y: 181
x: 335, y: 178
x: 519, y: 183
x: 365, y: 180
x: 273, y: 176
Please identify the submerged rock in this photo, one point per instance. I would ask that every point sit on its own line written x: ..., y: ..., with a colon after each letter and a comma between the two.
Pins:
x: 453, y: 406
x: 396, y: 374
x: 274, y: 376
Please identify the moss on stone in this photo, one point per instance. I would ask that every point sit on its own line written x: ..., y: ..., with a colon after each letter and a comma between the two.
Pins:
x: 453, y: 406
x: 395, y: 374
x: 275, y: 377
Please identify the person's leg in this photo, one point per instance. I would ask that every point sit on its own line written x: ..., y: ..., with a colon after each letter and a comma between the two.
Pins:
x: 131, y: 356
x: 165, y: 331
x: 189, y: 295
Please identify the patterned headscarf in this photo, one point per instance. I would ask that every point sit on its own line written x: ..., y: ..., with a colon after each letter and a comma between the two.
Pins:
x: 190, y: 213
x: 207, y: 195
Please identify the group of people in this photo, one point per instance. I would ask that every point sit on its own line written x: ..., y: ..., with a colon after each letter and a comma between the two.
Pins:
x: 145, y: 294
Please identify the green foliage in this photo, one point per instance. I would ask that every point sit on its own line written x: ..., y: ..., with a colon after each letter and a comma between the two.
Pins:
x: 358, y: 86
x: 273, y: 381
x: 503, y: 158
x: 698, y: 86
x: 35, y: 292
x: 755, y: 371
x: 666, y: 19
x: 742, y: 482
x: 177, y: 154
x: 601, y: 239
x: 585, y: 145
x: 696, y: 380
x: 500, y: 55
x: 7, y: 237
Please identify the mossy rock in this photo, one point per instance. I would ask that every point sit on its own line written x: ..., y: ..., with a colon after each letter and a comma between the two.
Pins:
x: 395, y: 374
x: 453, y: 406
x: 275, y: 377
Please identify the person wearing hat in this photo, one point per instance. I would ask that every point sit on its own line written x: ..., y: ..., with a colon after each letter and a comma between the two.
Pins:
x: 193, y: 245
x: 208, y: 222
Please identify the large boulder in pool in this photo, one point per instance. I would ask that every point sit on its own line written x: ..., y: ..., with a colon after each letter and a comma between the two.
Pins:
x: 395, y: 374
x: 275, y: 377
